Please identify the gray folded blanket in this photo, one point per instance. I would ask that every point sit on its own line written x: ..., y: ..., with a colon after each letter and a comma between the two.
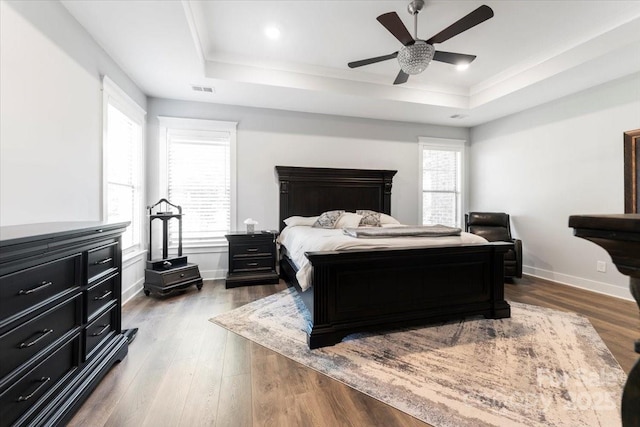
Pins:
x: 418, y: 231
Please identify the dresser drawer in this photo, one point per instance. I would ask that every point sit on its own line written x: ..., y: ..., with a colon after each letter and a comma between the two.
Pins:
x: 32, y: 386
x: 33, y: 287
x: 250, y: 264
x: 100, y: 294
x: 98, y: 330
x: 20, y: 344
x: 252, y: 249
x: 101, y: 261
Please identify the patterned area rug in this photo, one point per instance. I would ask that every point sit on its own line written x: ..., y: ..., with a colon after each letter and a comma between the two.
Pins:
x: 541, y: 367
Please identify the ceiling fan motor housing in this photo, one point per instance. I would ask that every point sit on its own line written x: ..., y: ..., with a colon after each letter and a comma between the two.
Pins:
x: 415, y: 58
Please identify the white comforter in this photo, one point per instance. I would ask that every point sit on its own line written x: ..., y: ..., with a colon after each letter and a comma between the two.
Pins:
x: 301, y: 239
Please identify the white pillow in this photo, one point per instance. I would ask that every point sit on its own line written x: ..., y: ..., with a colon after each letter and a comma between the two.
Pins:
x: 348, y: 220
x: 300, y: 220
x: 387, y: 219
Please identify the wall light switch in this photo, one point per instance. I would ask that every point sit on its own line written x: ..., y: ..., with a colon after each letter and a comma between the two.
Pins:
x: 601, y: 266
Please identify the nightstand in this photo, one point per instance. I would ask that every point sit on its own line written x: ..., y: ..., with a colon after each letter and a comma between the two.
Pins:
x: 252, y: 258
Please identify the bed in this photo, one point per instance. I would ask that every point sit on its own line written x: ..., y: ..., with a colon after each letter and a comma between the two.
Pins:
x: 378, y: 289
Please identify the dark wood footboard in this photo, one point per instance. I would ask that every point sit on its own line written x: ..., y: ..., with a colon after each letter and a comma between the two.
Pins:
x: 356, y: 291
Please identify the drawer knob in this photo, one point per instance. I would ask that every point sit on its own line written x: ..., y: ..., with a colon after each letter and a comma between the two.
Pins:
x: 40, y: 287
x: 181, y: 274
x: 101, y: 331
x: 103, y: 296
x: 43, y: 381
x: 42, y: 333
x: 103, y: 261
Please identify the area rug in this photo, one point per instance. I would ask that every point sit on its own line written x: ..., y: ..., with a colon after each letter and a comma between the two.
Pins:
x: 541, y: 367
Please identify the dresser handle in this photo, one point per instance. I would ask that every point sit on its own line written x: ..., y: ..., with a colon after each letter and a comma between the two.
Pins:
x: 103, y: 296
x: 102, y: 331
x: 44, y: 333
x: 36, y: 289
x: 181, y: 275
x: 104, y: 261
x: 43, y: 380
x: 252, y: 249
x: 252, y: 264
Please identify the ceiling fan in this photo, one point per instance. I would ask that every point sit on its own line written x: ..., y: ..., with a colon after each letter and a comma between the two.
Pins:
x: 416, y: 54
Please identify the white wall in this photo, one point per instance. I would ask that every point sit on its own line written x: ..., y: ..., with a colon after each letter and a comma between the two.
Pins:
x: 560, y: 159
x: 51, y: 117
x: 267, y: 138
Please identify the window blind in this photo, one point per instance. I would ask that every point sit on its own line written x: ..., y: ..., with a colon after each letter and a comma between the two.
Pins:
x: 123, y: 173
x: 441, y: 185
x: 199, y: 180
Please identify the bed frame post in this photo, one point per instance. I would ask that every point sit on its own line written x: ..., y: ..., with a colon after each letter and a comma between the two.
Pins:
x: 499, y: 307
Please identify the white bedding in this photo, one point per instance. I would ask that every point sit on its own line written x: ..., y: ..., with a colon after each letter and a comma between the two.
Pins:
x: 301, y: 239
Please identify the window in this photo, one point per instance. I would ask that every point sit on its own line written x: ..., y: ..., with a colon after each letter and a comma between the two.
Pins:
x: 199, y: 175
x: 441, y: 168
x: 123, y: 163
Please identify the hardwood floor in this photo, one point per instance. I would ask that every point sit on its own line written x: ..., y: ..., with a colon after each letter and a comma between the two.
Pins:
x: 183, y: 370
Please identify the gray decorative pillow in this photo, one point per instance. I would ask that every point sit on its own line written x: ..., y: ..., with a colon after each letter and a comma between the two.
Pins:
x: 328, y: 219
x: 369, y: 218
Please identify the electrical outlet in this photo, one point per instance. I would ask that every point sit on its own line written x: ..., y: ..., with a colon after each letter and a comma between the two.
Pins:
x: 601, y: 266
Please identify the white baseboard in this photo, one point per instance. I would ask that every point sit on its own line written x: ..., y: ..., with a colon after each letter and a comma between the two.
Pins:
x: 132, y: 291
x: 213, y: 274
x: 579, y: 282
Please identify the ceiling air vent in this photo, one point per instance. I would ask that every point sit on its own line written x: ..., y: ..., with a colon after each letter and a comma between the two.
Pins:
x: 204, y: 89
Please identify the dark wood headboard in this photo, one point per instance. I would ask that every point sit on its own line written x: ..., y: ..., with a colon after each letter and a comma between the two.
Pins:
x: 311, y: 191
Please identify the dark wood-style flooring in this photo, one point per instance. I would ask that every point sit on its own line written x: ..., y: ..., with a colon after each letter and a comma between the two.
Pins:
x: 183, y: 370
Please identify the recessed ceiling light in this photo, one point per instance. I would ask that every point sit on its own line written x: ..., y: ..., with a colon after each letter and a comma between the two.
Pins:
x: 462, y: 66
x: 272, y: 32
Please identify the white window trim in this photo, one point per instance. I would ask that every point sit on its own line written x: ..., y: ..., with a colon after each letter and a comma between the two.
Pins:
x: 113, y: 94
x: 444, y: 144
x: 167, y: 123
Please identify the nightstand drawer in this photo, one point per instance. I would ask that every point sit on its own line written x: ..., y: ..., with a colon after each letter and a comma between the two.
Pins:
x: 99, y: 330
x: 100, y: 261
x: 251, y: 264
x: 19, y: 397
x: 100, y: 295
x: 30, y: 288
x: 252, y: 249
x: 20, y: 344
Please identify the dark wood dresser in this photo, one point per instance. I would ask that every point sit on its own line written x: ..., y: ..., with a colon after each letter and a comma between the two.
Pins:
x: 60, y: 312
x: 252, y: 258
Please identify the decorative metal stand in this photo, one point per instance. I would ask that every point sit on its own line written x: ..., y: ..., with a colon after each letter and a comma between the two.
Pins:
x: 168, y: 274
x: 619, y: 235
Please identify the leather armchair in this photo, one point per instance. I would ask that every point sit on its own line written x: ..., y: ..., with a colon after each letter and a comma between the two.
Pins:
x: 496, y: 227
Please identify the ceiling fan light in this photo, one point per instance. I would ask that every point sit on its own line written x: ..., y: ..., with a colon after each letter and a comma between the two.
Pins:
x: 415, y: 58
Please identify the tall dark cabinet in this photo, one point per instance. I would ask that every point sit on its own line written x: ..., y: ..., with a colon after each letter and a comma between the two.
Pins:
x: 60, y: 317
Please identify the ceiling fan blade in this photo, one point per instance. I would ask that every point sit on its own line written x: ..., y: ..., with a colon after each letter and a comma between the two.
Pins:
x: 476, y: 17
x: 362, y: 62
x: 402, y: 77
x: 393, y: 23
x: 453, y: 58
